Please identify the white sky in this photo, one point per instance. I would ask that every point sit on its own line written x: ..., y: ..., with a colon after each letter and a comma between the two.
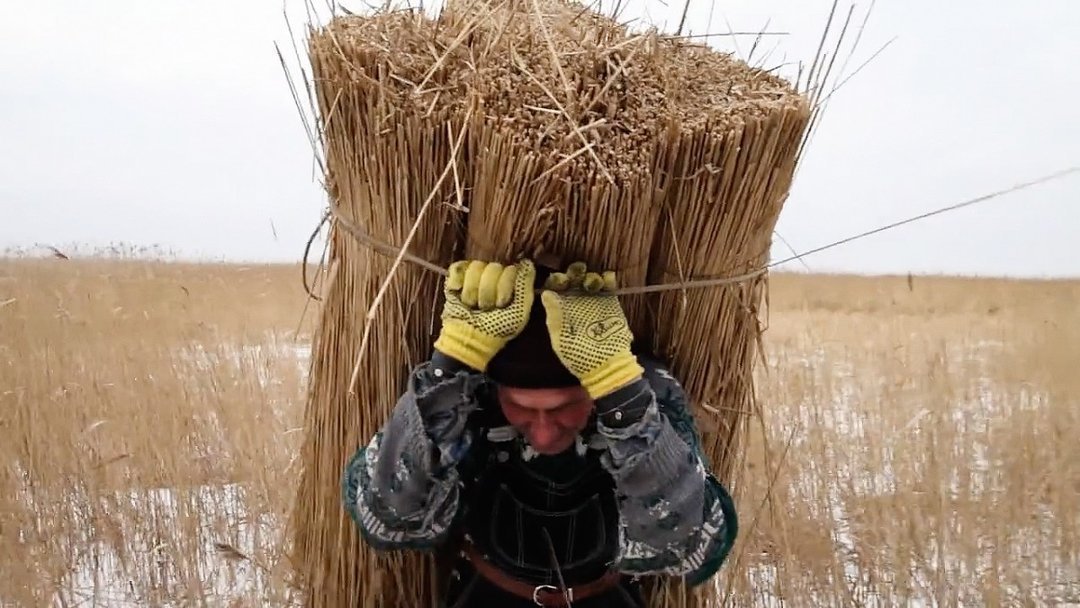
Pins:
x: 170, y: 123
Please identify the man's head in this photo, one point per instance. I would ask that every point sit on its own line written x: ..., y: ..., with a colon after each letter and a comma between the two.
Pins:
x: 538, y: 395
x: 550, y: 419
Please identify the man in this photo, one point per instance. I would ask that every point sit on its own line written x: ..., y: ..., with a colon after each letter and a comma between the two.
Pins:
x: 557, y: 465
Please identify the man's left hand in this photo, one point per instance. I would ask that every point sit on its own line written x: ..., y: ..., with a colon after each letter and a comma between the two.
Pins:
x: 588, y: 329
x: 487, y: 305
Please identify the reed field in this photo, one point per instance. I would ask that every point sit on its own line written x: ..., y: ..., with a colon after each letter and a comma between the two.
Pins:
x: 916, y: 439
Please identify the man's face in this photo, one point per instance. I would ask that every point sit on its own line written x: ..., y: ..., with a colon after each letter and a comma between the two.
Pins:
x: 549, y: 418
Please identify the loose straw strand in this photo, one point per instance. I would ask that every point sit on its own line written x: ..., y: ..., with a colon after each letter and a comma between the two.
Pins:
x: 403, y: 251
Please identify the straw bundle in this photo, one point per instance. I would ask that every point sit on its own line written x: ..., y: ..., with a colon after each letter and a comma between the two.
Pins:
x: 532, y: 128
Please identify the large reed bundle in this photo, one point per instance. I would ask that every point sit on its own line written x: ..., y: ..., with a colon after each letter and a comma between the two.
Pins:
x: 538, y: 128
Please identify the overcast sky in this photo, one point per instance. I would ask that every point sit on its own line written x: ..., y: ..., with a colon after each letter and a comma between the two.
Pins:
x: 170, y: 123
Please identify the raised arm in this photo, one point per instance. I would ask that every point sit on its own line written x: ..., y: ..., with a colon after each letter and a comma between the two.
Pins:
x: 675, y: 518
x: 402, y: 488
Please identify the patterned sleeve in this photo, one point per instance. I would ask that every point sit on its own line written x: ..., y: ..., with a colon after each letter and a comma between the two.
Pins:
x: 675, y: 517
x: 402, y: 488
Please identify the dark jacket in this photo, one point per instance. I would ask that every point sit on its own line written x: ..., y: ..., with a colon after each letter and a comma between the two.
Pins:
x: 405, y: 488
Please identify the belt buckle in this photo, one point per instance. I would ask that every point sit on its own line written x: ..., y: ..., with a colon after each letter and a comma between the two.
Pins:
x: 536, y: 594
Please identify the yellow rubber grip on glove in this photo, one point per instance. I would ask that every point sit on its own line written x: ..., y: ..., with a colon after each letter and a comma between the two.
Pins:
x: 589, y: 332
x: 487, y: 305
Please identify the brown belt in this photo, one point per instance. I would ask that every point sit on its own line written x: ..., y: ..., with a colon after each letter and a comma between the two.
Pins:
x: 549, y: 596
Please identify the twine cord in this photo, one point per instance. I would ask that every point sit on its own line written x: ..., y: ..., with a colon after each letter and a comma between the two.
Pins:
x: 402, y: 254
x: 386, y: 249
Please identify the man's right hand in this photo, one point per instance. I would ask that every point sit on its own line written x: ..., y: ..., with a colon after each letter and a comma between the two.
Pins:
x: 487, y: 305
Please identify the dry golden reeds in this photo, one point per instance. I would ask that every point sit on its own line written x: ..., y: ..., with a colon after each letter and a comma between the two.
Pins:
x: 145, y: 410
x: 535, y: 128
x: 921, y: 440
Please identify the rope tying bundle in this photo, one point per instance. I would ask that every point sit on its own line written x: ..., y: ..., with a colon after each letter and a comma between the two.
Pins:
x: 389, y: 250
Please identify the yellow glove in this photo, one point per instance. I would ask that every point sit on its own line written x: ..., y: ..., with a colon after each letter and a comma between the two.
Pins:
x: 589, y: 331
x: 487, y: 305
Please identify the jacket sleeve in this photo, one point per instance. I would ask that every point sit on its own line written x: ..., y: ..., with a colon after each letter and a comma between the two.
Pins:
x: 402, y: 488
x: 675, y: 517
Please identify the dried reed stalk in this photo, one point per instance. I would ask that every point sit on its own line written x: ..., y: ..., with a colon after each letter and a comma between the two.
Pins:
x: 650, y: 155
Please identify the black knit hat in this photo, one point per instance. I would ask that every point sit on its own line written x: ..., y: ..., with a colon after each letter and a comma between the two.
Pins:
x: 529, y: 361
